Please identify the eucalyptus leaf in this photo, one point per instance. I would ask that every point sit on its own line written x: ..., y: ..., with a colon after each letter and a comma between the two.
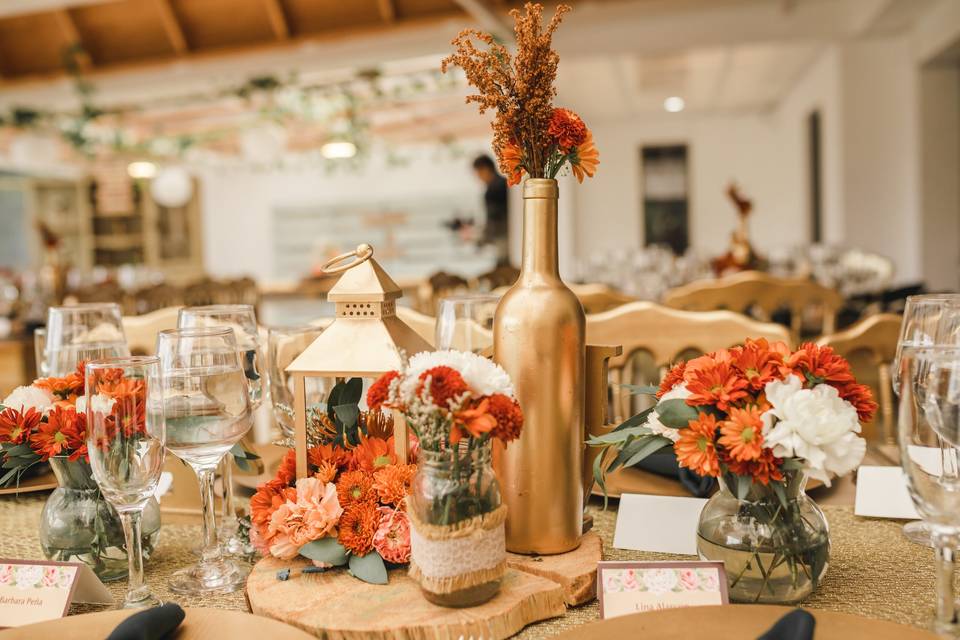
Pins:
x: 676, y: 413
x: 645, y: 390
x: 17, y: 451
x: 650, y: 446
x: 635, y: 420
x: 600, y: 478
x: 615, y: 437
x: 369, y: 568
x: 8, y: 476
x: 352, y: 391
x: 347, y: 414
x: 781, y: 493
x: 327, y: 550
x: 743, y: 486
x: 242, y: 464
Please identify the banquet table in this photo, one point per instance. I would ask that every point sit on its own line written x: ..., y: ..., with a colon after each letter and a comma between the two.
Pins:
x: 874, y: 572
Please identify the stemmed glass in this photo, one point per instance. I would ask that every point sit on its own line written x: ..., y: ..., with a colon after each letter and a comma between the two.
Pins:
x: 465, y: 322
x: 125, y: 440
x: 929, y: 436
x: 83, y: 332
x: 40, y: 350
x: 243, y: 320
x: 928, y: 320
x: 284, y: 344
x: 207, y: 408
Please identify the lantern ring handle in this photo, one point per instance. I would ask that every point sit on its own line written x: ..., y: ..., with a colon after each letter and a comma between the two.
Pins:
x: 362, y: 253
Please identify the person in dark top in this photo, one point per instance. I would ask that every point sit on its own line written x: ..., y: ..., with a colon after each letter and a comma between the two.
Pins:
x: 496, y: 229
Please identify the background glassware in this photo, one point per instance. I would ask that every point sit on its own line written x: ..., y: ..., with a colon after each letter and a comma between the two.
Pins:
x: 83, y: 332
x: 928, y: 320
x: 284, y: 344
x: 40, y: 351
x: 243, y: 320
x: 207, y: 411
x: 929, y: 433
x: 465, y: 322
x: 125, y: 440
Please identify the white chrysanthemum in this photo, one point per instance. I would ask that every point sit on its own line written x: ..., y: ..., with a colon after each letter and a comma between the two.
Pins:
x: 23, y: 398
x: 815, y: 425
x: 100, y: 404
x: 679, y: 392
x: 482, y: 375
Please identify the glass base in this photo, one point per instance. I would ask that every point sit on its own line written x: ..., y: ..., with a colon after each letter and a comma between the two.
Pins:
x: 146, y: 602
x: 224, y: 576
x: 918, y: 532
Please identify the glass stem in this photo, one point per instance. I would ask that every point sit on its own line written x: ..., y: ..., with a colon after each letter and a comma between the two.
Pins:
x: 945, y: 559
x: 136, y: 589
x: 210, y: 554
x: 229, y: 504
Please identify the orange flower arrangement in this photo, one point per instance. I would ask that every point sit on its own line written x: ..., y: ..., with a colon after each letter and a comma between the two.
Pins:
x: 355, y: 486
x: 530, y: 135
x: 696, y: 449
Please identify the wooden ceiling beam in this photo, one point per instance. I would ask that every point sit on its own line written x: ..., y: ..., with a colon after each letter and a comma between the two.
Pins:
x: 172, y: 27
x: 68, y: 27
x: 277, y: 18
x: 388, y: 10
x: 487, y: 18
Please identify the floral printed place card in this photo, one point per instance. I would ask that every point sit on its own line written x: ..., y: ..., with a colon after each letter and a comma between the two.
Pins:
x: 634, y: 587
x: 43, y: 590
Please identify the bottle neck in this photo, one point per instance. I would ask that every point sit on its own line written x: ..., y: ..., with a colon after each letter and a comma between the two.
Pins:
x: 540, y: 229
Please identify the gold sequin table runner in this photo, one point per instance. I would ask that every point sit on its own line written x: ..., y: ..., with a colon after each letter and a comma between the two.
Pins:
x: 874, y: 572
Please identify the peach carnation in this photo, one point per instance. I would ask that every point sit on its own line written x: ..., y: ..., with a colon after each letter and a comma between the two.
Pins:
x: 392, y: 539
x: 314, y: 515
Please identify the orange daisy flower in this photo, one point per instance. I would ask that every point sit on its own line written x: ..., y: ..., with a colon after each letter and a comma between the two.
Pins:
x: 379, y: 391
x: 392, y: 484
x: 741, y: 433
x: 355, y: 486
x: 758, y: 363
x: 861, y: 397
x: 473, y: 422
x: 672, y: 379
x: 66, y: 388
x: 327, y: 453
x: 511, y: 161
x: 446, y: 384
x: 16, y: 427
x: 63, y: 431
x: 584, y: 162
x: 509, y: 416
x: 696, y: 449
x: 715, y: 383
x: 358, y: 524
x: 820, y: 362
x: 764, y: 469
x: 373, y: 453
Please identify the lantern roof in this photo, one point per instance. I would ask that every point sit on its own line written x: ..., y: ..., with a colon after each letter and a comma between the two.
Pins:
x: 365, y: 281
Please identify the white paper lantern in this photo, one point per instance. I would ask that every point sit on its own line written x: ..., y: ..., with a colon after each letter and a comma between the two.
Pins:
x: 173, y: 187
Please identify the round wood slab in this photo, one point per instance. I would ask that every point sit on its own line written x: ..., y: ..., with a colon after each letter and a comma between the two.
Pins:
x: 737, y: 622
x: 337, y: 606
x: 200, y: 624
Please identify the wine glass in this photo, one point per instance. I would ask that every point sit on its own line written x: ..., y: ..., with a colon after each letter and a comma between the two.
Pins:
x: 40, y: 350
x: 929, y: 436
x: 928, y: 320
x: 207, y: 409
x: 126, y: 436
x: 465, y: 322
x: 83, y: 332
x: 243, y: 320
x: 284, y: 344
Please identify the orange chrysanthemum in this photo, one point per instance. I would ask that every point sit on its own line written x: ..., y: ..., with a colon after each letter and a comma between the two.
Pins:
x: 715, y: 383
x: 820, y: 362
x: 326, y: 472
x: 63, y: 433
x: 511, y: 161
x: 764, y: 469
x: 379, y: 391
x: 16, y: 427
x: 474, y: 421
x: 509, y: 416
x: 861, y: 397
x: 358, y: 524
x: 392, y: 483
x: 741, y: 433
x: 696, y: 449
x: 328, y: 454
x: 66, y: 388
x: 672, y: 379
x: 758, y: 363
x: 373, y: 453
x: 566, y: 129
x: 266, y: 500
x: 584, y: 162
x: 445, y: 385
x: 355, y: 486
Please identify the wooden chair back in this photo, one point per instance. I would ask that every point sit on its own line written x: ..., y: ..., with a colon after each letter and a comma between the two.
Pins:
x: 597, y: 298
x: 424, y: 325
x: 654, y: 337
x: 760, y: 295
x: 141, y: 331
x: 871, y: 346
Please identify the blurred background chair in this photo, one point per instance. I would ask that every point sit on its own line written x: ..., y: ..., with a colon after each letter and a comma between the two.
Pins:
x: 141, y: 331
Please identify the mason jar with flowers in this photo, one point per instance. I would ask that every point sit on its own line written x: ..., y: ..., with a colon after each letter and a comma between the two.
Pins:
x: 457, y: 404
x: 762, y: 420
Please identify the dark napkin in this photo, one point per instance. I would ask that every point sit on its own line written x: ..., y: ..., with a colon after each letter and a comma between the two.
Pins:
x: 796, y: 625
x: 150, y: 624
x: 664, y: 463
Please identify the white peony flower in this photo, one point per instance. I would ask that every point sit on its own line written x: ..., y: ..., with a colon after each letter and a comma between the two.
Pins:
x: 679, y: 392
x: 100, y: 404
x: 815, y: 425
x: 482, y: 375
x: 23, y: 398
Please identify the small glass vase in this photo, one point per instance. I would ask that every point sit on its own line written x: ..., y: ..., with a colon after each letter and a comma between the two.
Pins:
x: 78, y: 525
x: 458, y: 547
x: 775, y: 548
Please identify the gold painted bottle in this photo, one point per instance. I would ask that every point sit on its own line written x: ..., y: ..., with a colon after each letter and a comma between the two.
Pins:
x: 539, y: 340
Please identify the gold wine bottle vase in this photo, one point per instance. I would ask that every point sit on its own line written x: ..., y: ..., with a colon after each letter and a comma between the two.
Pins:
x: 539, y: 340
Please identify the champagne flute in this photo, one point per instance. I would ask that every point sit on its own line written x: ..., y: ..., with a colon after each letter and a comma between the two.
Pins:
x: 83, y: 332
x: 465, y: 322
x: 928, y: 320
x: 207, y: 410
x: 40, y: 351
x: 929, y: 437
x: 126, y: 436
x: 243, y: 320
x: 284, y: 344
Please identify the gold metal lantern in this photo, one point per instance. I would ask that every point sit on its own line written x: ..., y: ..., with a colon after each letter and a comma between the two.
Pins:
x: 366, y: 339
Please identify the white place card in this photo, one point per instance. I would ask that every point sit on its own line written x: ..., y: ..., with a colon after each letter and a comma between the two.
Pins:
x: 34, y: 591
x: 658, y: 523
x: 882, y: 493
x: 624, y: 588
